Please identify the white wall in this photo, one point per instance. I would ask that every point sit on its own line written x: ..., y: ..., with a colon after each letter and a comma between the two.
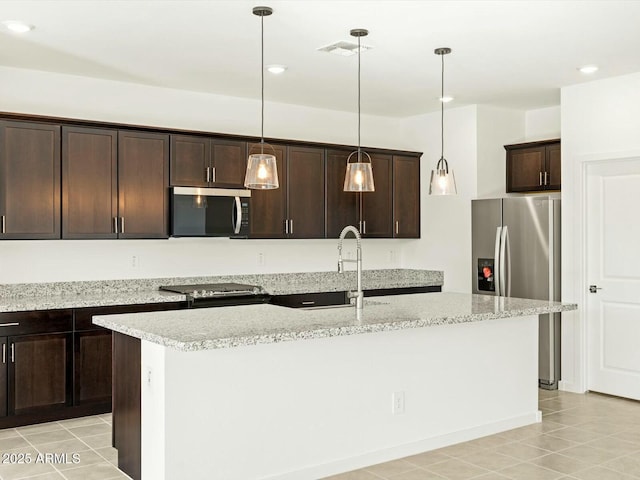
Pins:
x: 45, y: 93
x: 599, y: 121
x: 497, y: 127
x: 542, y: 123
x: 445, y: 242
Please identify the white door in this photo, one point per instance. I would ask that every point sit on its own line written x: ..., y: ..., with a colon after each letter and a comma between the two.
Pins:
x: 613, y: 267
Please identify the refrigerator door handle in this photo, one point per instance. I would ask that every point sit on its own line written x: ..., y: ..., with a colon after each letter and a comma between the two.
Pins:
x: 503, y: 262
x: 498, y: 262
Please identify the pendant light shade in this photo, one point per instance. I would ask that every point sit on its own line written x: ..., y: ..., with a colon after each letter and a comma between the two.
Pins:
x: 443, y: 181
x: 262, y: 168
x: 359, y: 177
x: 359, y: 174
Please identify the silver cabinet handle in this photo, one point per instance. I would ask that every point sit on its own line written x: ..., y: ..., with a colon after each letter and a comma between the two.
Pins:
x: 4, y: 225
x: 121, y: 224
x: 206, y: 171
x: 360, y: 225
x: 540, y: 179
x: 546, y: 178
x: 12, y: 324
x: 4, y: 353
x: 364, y: 226
x: 291, y: 227
x: 13, y: 353
x: 115, y: 224
x: 286, y: 226
x: 397, y: 227
x: 213, y: 174
x: 309, y: 303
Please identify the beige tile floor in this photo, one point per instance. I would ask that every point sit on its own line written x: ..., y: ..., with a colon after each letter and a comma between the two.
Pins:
x: 585, y: 437
x: 88, y: 437
x: 581, y: 437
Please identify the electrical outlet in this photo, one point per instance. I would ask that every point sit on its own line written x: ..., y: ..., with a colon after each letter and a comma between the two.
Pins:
x: 397, y: 400
x: 392, y: 256
x: 147, y: 374
x: 261, y: 259
x: 135, y: 261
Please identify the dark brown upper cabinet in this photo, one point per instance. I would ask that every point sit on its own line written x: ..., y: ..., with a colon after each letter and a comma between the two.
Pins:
x: 268, y: 211
x: 534, y: 166
x: 207, y: 162
x: 305, y: 195
x: 406, y: 197
x: 29, y: 180
x: 143, y: 180
x: 89, y: 182
x: 342, y: 207
x: 296, y: 208
x: 377, y: 206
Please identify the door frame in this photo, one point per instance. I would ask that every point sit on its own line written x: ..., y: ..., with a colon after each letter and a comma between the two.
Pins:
x: 574, y: 257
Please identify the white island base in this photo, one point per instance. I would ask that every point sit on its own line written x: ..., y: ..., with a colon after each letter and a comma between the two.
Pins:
x: 309, y: 409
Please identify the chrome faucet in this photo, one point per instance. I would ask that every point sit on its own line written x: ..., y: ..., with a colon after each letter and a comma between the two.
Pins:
x: 357, y: 296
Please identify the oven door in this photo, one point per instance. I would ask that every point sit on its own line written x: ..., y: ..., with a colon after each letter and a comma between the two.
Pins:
x: 209, y: 212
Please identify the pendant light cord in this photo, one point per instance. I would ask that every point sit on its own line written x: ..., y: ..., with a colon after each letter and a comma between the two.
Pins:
x: 359, y: 155
x: 442, y: 109
x: 262, y: 82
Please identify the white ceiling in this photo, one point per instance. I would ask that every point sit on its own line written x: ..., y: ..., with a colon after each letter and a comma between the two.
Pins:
x: 514, y: 54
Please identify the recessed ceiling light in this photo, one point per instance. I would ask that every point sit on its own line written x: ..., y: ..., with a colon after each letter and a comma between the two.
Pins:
x: 588, y: 69
x: 17, y: 27
x: 344, y: 49
x: 276, y: 69
x: 445, y: 99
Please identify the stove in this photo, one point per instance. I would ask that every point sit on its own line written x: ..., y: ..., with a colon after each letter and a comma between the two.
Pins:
x: 219, y: 294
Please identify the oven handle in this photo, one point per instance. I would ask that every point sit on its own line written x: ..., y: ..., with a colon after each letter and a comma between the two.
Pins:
x: 238, y: 219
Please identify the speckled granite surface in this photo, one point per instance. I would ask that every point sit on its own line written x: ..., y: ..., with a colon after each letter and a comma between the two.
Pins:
x: 226, y: 327
x: 47, y: 296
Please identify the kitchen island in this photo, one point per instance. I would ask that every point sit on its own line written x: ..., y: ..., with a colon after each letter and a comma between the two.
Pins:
x: 267, y: 392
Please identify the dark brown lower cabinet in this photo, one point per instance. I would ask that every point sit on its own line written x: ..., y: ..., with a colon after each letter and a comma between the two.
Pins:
x: 92, y: 352
x: 127, y: 404
x: 3, y: 378
x: 39, y: 373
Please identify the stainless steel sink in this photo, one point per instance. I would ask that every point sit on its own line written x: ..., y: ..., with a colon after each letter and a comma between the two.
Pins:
x: 344, y: 305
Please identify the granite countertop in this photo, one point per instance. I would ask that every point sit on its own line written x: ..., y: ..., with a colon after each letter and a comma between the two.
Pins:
x: 227, y: 327
x: 50, y: 296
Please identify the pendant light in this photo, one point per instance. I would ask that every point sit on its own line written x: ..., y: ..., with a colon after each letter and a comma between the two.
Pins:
x: 443, y: 182
x: 359, y: 175
x: 262, y: 169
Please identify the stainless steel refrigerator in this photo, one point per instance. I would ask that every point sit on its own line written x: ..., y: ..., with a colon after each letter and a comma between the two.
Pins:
x: 516, y: 253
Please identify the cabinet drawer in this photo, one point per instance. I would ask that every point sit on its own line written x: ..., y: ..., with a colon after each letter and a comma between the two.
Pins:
x: 83, y: 316
x: 301, y: 300
x: 45, y: 321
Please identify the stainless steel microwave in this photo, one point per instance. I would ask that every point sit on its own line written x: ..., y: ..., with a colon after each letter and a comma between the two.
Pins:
x: 209, y: 212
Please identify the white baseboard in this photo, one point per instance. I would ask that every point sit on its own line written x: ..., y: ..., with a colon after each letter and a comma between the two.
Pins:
x: 570, y: 387
x: 413, y: 448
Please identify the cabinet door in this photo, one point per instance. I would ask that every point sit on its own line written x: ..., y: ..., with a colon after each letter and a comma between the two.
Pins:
x: 29, y: 180
x: 342, y: 207
x: 40, y: 372
x: 525, y: 169
x: 306, y: 192
x: 3, y: 377
x: 406, y: 197
x: 229, y: 159
x: 554, y: 180
x: 190, y: 158
x: 89, y: 182
x: 92, y: 377
x: 143, y: 181
x: 268, y: 207
x: 377, y: 206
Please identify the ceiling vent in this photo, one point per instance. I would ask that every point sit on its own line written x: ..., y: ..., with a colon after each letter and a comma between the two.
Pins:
x: 344, y: 49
